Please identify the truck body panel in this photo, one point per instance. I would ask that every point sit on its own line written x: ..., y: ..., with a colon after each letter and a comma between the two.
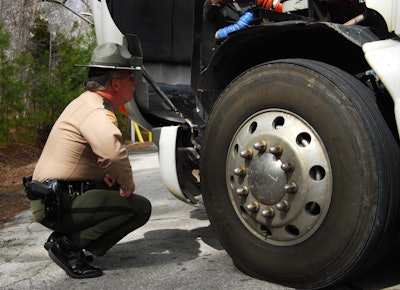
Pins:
x: 389, y: 10
x: 384, y: 58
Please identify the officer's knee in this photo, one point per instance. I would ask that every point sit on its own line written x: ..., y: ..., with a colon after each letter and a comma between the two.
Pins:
x: 141, y: 207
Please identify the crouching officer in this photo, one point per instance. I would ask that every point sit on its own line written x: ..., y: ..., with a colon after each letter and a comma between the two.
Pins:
x: 82, y: 186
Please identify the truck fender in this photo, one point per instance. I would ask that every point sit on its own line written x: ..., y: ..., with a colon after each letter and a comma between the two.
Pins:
x: 165, y: 140
x: 384, y: 58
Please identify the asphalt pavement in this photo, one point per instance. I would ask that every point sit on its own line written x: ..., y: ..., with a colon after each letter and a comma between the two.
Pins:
x: 176, y: 249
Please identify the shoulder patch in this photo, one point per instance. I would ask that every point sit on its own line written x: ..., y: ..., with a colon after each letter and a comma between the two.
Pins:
x: 112, y: 117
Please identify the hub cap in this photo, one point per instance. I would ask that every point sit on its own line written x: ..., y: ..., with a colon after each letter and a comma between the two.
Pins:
x: 279, y: 177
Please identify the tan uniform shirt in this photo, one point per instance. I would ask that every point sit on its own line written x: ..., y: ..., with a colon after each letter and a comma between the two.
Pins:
x: 85, y: 144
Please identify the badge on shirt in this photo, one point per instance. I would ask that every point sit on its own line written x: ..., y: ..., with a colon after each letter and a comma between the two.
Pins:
x: 112, y: 118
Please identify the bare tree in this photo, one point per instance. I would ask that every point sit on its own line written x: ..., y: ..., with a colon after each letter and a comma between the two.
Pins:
x: 18, y: 16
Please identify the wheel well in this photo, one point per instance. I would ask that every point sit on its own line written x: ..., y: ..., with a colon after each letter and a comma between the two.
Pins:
x: 321, y: 43
x: 251, y: 47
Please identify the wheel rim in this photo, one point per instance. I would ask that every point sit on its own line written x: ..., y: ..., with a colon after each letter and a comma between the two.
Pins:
x: 279, y: 177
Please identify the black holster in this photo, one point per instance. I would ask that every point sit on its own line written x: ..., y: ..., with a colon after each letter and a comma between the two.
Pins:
x: 50, y: 194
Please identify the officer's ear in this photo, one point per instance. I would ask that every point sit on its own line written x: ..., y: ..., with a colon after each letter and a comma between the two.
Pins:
x: 115, y: 84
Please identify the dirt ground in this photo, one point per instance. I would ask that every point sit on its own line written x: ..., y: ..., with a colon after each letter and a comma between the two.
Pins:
x: 15, y: 163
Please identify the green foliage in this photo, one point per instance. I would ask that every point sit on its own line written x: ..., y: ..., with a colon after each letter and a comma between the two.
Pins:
x: 57, y: 79
x: 124, y: 124
x: 39, y: 45
x: 36, y: 86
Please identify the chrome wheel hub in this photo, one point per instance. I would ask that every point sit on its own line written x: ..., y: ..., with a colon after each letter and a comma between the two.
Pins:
x: 279, y: 177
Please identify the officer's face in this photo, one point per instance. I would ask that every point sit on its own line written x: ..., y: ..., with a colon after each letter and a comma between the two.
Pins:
x: 126, y: 88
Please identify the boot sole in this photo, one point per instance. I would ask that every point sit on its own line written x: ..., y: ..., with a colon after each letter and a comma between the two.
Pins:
x: 47, y: 245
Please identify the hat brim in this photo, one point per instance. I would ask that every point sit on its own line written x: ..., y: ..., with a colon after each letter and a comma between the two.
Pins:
x: 131, y: 68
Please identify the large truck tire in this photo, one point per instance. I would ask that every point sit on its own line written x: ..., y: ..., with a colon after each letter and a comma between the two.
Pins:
x: 300, y: 174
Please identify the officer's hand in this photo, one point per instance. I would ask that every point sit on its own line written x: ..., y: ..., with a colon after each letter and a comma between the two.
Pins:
x: 126, y: 192
x: 108, y: 180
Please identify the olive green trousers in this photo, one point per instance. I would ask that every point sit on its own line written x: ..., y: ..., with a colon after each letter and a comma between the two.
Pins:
x: 97, y: 219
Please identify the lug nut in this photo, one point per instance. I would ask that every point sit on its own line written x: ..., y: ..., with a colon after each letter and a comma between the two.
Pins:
x: 269, y: 212
x: 283, y: 206
x: 247, y: 154
x: 276, y: 150
x: 240, y: 171
x: 242, y: 191
x: 288, y: 166
x: 253, y: 207
x: 260, y: 146
x: 290, y: 187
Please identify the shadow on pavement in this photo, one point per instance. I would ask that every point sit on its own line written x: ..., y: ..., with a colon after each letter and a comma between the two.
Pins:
x: 157, y: 248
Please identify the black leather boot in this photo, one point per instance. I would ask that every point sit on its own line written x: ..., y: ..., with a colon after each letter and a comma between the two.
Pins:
x: 56, y: 235
x: 72, y: 259
x: 51, y: 239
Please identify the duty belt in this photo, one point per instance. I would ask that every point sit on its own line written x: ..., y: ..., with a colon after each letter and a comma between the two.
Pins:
x: 76, y: 187
x: 79, y: 187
